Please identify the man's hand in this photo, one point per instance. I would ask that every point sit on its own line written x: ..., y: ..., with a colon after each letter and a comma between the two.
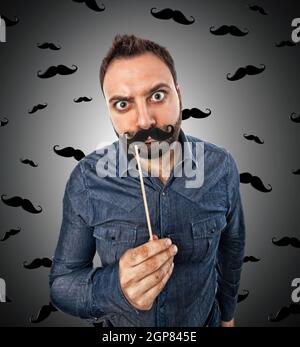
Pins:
x: 145, y: 270
x: 229, y: 324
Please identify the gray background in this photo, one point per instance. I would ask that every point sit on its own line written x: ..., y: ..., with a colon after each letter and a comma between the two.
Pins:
x: 259, y: 105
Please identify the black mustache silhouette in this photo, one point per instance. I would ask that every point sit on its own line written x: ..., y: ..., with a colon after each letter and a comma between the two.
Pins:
x: 228, y: 29
x: 69, y: 152
x: 195, y: 113
x: 10, y: 233
x: 251, y: 259
x: 38, y: 107
x: 43, y: 313
x: 38, y: 262
x: 242, y: 297
x: 254, y: 138
x: 258, y: 9
x: 3, y: 122
x: 154, y: 133
x: 243, y: 71
x: 29, y: 162
x: 9, y: 22
x: 83, y: 98
x: 255, y: 182
x: 286, y: 241
x: 17, y: 201
x: 284, y: 312
x: 296, y: 172
x: 57, y: 70
x: 285, y: 44
x: 92, y: 4
x: 176, y: 15
x: 295, y: 119
x: 49, y: 45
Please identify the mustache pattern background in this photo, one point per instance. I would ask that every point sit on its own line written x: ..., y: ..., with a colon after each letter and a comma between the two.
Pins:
x: 83, y: 99
x: 260, y: 105
x: 244, y: 71
x: 10, y: 233
x: 4, y: 122
x: 38, y: 262
x: 49, y: 45
x: 92, y: 4
x: 228, y: 29
x: 17, y: 201
x: 195, y: 113
x: 69, y: 152
x: 10, y: 22
x: 254, y: 138
x: 255, y: 182
x: 57, y: 70
x: 176, y: 15
x: 38, y: 107
x: 258, y: 9
x: 286, y: 241
x: 29, y: 162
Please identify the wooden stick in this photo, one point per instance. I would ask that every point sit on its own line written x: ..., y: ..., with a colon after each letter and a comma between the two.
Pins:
x: 143, y: 193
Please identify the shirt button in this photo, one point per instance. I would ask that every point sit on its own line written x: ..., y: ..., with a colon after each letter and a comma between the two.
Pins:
x: 163, y: 193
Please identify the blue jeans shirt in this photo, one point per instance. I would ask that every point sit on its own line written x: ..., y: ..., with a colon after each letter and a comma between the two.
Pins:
x: 106, y: 214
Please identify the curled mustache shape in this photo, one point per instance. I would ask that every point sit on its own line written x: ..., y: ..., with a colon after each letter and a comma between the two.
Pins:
x: 38, y: 262
x: 9, y: 22
x: 255, y: 182
x: 284, y: 312
x: 57, y: 70
x: 228, y: 29
x: 38, y: 107
x: 82, y: 99
x: 253, y: 138
x: 17, y: 201
x: 295, y: 119
x: 49, y: 45
x: 286, y: 241
x: 10, y: 233
x: 285, y: 44
x: 242, y: 297
x: 243, y: 71
x: 29, y: 162
x: 195, y: 113
x: 258, y: 9
x: 154, y: 133
x: 43, y: 313
x: 251, y: 259
x: 176, y: 15
x: 92, y: 4
x: 69, y: 152
x: 296, y: 172
x: 4, y: 122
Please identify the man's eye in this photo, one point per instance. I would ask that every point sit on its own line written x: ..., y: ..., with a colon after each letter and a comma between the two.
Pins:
x: 158, y: 96
x: 121, y: 105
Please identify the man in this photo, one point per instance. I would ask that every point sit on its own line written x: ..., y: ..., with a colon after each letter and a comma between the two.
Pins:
x: 189, y: 274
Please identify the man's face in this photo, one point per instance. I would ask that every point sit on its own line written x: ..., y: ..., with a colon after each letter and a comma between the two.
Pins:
x: 140, y: 94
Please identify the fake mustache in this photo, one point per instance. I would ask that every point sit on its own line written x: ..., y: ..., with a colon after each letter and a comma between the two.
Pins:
x: 154, y: 133
x: 69, y: 152
x: 253, y: 138
x: 242, y: 297
x: 195, y: 113
x: 243, y: 71
x: 29, y: 162
x: 228, y: 29
x: 258, y: 9
x: 284, y: 312
x: 295, y: 119
x: 49, y: 45
x: 92, y: 4
x: 57, y: 70
x: 10, y: 233
x: 255, y: 182
x: 9, y: 22
x: 251, y: 259
x: 286, y: 241
x: 17, y: 201
x: 38, y: 107
x: 296, y: 172
x: 43, y: 313
x: 3, y: 122
x: 285, y: 44
x: 38, y: 262
x: 82, y: 99
x: 176, y: 15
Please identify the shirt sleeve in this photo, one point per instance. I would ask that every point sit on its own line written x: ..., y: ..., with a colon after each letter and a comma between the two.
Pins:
x: 76, y: 287
x: 232, y: 245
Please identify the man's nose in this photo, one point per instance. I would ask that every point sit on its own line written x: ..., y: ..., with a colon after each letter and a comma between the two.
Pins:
x: 145, y: 117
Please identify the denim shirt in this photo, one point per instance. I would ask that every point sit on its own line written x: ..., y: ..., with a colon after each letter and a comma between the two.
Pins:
x: 106, y: 215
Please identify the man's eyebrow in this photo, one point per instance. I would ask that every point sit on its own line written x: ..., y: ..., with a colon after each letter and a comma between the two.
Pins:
x: 130, y: 98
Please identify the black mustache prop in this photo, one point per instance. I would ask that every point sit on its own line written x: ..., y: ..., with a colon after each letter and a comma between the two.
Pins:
x: 285, y: 44
x: 284, y: 312
x: 154, y: 133
x: 253, y: 138
x: 286, y: 241
x: 9, y: 22
x: 228, y: 29
x: 176, y: 15
x: 255, y: 182
x: 17, y: 201
x: 242, y: 297
x: 43, y: 313
x: 38, y: 262
x: 251, y: 259
x: 258, y: 9
x: 3, y: 122
x: 295, y: 119
x: 49, y: 45
x: 69, y: 152
x: 195, y: 113
x: 92, y: 4
x: 296, y: 172
x: 38, y: 107
x: 243, y: 71
x: 57, y: 70
x: 10, y: 233
x: 83, y: 99
x: 29, y: 162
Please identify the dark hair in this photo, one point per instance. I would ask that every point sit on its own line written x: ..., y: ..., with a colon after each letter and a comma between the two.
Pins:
x: 125, y: 46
